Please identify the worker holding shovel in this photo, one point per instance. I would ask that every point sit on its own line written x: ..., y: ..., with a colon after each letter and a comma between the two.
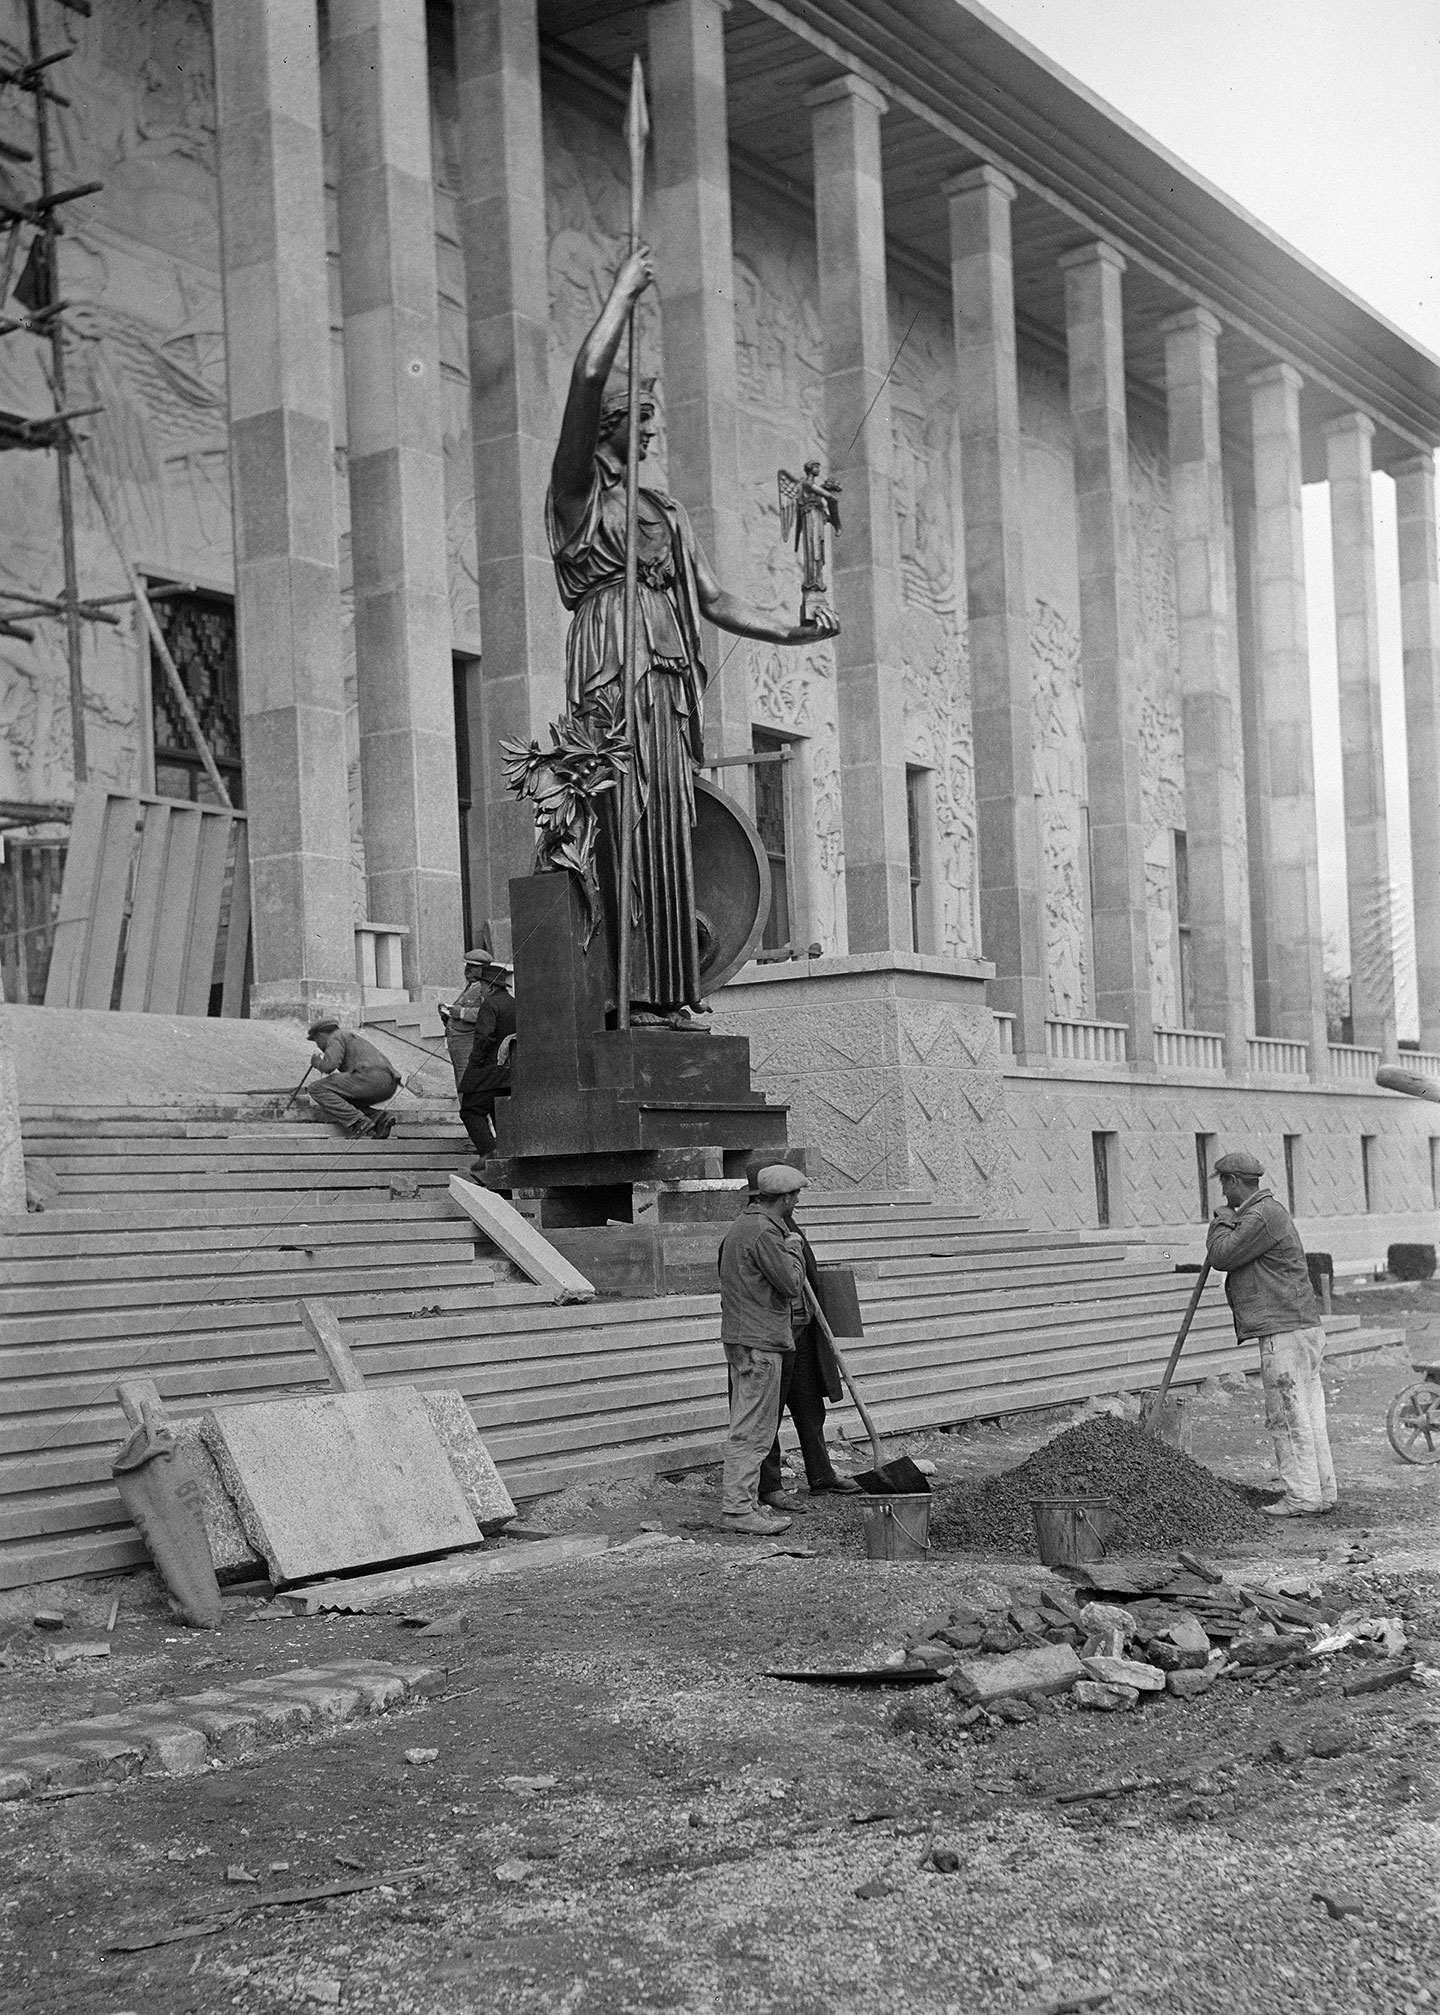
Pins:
x: 762, y: 1273
x: 1253, y: 1241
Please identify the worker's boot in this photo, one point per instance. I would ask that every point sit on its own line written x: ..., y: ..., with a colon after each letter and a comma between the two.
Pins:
x: 760, y: 1524
x: 383, y: 1125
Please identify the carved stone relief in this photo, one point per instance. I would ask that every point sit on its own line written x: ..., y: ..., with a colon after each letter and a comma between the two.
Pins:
x: 1062, y: 791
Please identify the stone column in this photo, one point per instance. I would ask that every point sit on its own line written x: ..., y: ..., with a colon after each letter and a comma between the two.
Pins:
x: 1214, y: 804
x: 282, y: 475
x: 696, y: 279
x: 397, y: 481
x: 1012, y: 929
x: 1420, y: 637
x: 1362, y: 751
x: 1292, y: 1003
x: 522, y: 625
x: 1096, y: 341
x: 854, y: 315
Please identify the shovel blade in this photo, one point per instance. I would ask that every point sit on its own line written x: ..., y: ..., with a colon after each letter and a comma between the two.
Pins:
x: 1165, y: 1419
x: 897, y: 1478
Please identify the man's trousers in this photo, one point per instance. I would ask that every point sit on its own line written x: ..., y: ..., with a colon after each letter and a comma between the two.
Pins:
x: 1295, y: 1415
x: 755, y: 1379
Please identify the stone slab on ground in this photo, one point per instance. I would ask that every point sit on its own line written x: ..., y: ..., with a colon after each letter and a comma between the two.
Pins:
x: 343, y: 1480
x: 1043, y: 1668
x: 475, y: 1472
x: 177, y: 1737
x: 362, y: 1592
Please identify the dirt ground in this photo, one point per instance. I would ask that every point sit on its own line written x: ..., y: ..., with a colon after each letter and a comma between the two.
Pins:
x: 624, y: 1814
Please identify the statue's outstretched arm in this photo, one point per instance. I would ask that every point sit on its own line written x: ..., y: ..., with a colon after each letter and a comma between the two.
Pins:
x: 580, y: 428
x: 728, y: 612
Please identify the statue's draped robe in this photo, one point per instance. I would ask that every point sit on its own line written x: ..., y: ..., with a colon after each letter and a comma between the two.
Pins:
x: 670, y: 685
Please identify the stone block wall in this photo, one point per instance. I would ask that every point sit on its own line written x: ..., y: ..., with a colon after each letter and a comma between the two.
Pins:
x: 1154, y: 1189
x: 890, y: 1068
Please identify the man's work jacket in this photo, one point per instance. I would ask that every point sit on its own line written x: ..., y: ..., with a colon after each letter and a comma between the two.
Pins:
x: 759, y: 1279
x: 1267, y: 1282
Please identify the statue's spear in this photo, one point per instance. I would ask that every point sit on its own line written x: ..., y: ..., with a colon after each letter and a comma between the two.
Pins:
x: 637, y: 132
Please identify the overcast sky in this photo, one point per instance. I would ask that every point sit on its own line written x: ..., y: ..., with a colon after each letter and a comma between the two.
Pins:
x: 1322, y: 117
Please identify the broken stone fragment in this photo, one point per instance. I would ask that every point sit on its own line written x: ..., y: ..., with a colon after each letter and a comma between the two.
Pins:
x: 1169, y: 1658
x: 1041, y: 1668
x: 48, y: 1619
x: 1125, y: 1672
x: 1104, y: 1699
x: 1190, y: 1684
x: 999, y: 1637
x: 964, y: 1636
x: 1187, y: 1634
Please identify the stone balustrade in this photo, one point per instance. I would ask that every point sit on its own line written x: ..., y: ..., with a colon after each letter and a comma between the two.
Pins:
x: 1353, y: 1065
x: 1189, y: 1049
x: 1270, y: 1056
x: 1086, y: 1041
x: 1005, y: 1034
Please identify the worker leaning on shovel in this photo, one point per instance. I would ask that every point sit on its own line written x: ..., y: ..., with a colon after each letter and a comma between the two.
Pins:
x: 762, y: 1273
x: 1253, y: 1241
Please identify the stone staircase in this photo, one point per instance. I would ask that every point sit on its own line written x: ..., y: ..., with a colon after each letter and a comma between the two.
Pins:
x: 178, y: 1244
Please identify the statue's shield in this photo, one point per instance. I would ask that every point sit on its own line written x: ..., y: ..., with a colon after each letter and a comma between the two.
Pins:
x: 732, y: 885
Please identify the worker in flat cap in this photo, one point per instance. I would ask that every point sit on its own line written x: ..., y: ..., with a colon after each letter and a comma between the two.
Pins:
x: 487, y: 1072
x: 809, y: 1376
x: 1252, y: 1239
x: 459, y: 1015
x: 357, y: 1078
x: 762, y: 1275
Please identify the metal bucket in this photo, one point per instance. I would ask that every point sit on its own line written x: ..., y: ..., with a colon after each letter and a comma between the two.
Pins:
x: 1071, y: 1530
x: 896, y: 1528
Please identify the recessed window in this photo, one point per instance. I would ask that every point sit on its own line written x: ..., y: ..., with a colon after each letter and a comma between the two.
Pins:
x: 199, y: 631
x: 1369, y: 1149
x: 1292, y: 1171
x: 1104, y: 1148
x: 1435, y: 1171
x: 1204, y: 1168
x: 772, y: 822
x: 917, y: 821
x: 1185, y: 975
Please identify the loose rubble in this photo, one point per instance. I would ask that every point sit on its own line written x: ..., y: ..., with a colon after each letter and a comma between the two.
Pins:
x: 1164, y: 1498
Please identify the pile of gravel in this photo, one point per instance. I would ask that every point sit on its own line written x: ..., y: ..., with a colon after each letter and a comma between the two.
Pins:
x: 1164, y: 1499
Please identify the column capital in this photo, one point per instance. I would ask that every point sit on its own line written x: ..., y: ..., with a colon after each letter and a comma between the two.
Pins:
x: 1276, y: 374
x: 982, y: 176
x: 1415, y: 465
x: 1350, y: 423
x: 1098, y: 253
x: 1196, y: 318
x: 848, y: 86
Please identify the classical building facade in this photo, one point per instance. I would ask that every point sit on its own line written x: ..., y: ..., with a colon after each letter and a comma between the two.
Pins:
x: 1047, y: 806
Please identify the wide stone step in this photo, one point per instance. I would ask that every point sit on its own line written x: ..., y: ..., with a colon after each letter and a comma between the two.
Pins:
x: 248, y: 1282
x: 164, y: 1246
x: 89, y: 1271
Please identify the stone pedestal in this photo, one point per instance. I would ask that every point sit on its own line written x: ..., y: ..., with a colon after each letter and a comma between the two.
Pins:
x: 890, y: 1066
x: 282, y: 476
x: 596, y: 1105
x: 396, y: 464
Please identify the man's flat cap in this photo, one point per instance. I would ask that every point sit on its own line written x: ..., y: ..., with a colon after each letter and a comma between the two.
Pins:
x: 778, y: 1179
x: 479, y: 957
x: 1239, y: 1163
x: 324, y: 1026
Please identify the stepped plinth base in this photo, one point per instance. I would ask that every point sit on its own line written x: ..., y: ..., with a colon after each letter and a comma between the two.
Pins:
x: 635, y: 1261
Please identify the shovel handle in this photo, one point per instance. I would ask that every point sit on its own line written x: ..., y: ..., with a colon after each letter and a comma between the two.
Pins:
x: 1189, y: 1317
x: 817, y: 1314
x: 298, y: 1089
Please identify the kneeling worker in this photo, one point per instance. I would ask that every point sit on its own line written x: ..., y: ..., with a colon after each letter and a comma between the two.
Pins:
x: 357, y: 1079
x: 1252, y: 1239
x: 762, y: 1273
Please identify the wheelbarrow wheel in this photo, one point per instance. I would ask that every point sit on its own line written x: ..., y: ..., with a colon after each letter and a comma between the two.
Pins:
x: 1413, y: 1423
